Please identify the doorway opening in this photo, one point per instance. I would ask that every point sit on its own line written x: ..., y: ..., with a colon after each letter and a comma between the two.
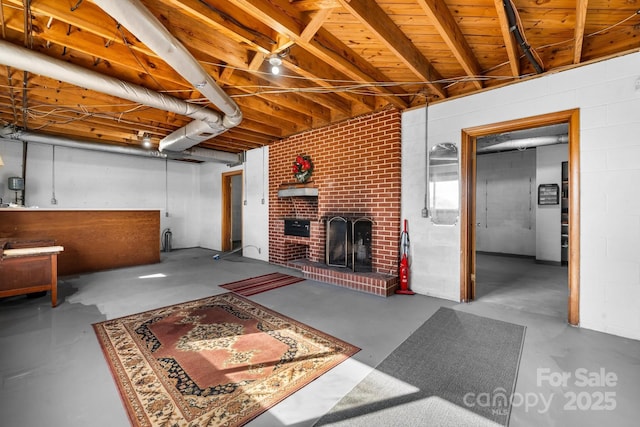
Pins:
x: 468, y: 213
x: 232, y: 191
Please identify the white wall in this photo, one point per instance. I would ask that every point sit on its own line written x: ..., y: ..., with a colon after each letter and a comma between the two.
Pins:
x: 189, y: 192
x: 96, y: 180
x: 236, y: 207
x: 255, y: 233
x: 255, y: 213
x: 435, y: 249
x: 610, y: 213
x: 609, y: 172
x: 505, y: 202
x: 549, y: 171
x: 210, y: 227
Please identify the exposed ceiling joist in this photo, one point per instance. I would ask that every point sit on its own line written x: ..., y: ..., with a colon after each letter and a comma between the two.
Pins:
x: 379, y: 23
x: 441, y: 18
x: 340, y: 59
x: 581, y: 18
x: 510, y: 44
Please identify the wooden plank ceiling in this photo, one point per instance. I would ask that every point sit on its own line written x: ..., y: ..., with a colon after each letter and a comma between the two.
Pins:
x: 341, y: 58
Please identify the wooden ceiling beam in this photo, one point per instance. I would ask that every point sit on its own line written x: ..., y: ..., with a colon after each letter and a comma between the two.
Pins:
x: 238, y: 139
x: 53, y: 94
x: 67, y: 117
x: 303, y: 63
x: 312, y: 71
x: 229, y: 145
x: 443, y: 20
x: 314, y: 24
x: 508, y: 37
x: 87, y: 17
x: 81, y: 129
x: 315, y: 5
x: 261, y: 127
x: 247, y: 137
x: 309, y: 105
x: 283, y: 22
x: 578, y: 31
x: 90, y: 44
x: 239, y: 60
x: 335, y: 53
x: 260, y: 110
x: 383, y: 27
x: 225, y: 18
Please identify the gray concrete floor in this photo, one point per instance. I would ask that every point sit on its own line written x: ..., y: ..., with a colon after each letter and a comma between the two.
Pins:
x: 53, y: 372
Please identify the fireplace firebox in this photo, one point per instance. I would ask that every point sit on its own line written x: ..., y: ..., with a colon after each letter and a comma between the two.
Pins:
x: 349, y: 243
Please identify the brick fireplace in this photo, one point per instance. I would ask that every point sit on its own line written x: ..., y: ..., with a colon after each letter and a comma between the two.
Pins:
x: 356, y: 175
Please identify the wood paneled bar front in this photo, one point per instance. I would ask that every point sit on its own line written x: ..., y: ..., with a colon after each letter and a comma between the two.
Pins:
x: 93, y: 240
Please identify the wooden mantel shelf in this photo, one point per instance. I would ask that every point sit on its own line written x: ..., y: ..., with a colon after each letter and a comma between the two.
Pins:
x: 296, y: 189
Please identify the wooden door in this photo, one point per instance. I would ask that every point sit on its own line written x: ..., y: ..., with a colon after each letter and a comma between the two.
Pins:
x: 227, y: 222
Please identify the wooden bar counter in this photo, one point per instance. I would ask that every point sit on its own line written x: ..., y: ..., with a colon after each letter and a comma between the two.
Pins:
x: 93, y: 240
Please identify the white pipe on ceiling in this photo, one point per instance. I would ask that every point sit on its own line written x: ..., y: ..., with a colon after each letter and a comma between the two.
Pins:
x: 28, y: 60
x: 523, y: 143
x: 195, y: 153
x: 63, y: 141
x: 150, y: 31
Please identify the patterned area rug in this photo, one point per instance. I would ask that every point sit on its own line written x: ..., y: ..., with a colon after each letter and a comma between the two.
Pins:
x: 255, y: 285
x: 216, y: 361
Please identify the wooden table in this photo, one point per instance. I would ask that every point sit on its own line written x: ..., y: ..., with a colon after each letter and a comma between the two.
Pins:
x: 28, y: 270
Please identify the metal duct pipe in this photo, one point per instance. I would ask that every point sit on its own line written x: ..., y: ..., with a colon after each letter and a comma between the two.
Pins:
x: 206, y: 155
x: 201, y: 154
x: 185, y: 137
x: 35, y: 62
x: 62, y: 141
x: 521, y: 144
x: 146, y: 27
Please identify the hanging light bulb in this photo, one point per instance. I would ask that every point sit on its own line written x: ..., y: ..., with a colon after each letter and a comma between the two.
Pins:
x: 146, y: 140
x: 275, y: 62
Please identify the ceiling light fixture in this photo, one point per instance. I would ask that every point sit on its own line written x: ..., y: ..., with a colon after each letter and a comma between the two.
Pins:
x: 146, y: 141
x: 275, y: 62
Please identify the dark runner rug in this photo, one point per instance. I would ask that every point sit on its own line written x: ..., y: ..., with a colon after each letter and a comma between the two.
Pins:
x: 255, y: 285
x: 456, y: 369
x: 221, y: 360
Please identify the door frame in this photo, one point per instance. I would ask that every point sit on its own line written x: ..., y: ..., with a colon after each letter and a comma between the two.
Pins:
x: 468, y: 200
x: 226, y: 223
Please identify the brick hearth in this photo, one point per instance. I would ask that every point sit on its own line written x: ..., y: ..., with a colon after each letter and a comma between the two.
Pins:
x: 373, y: 283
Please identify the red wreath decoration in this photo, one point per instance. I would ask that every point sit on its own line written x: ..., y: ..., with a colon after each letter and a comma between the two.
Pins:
x: 302, y: 168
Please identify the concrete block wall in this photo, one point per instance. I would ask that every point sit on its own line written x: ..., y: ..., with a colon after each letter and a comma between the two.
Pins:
x: 605, y: 94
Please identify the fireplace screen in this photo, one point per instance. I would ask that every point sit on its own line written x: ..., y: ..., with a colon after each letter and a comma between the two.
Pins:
x: 349, y: 243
